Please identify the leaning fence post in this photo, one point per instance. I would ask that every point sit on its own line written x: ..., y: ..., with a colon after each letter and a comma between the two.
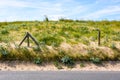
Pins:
x: 23, y: 39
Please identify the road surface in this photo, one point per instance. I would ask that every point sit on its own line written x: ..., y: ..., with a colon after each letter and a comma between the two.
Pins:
x: 59, y: 75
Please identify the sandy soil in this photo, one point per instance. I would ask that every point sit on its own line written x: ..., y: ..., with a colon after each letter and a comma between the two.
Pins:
x: 26, y: 66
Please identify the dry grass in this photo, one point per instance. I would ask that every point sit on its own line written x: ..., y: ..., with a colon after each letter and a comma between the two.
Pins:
x: 77, y: 52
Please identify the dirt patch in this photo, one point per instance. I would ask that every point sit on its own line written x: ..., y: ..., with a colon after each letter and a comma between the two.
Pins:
x: 88, y: 66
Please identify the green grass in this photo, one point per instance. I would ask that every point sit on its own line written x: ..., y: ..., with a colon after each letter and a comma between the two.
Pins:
x: 54, y: 33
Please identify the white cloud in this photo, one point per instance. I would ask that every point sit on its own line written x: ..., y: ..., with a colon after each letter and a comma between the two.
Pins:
x: 107, y: 1
x: 55, y: 9
x: 16, y: 9
x: 12, y: 3
x: 111, y: 10
x: 75, y: 10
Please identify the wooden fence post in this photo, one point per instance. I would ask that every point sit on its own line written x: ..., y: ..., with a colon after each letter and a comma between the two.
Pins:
x: 99, y: 36
x: 28, y: 42
x: 23, y: 39
x: 27, y: 36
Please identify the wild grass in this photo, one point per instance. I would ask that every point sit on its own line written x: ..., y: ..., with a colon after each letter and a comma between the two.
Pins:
x: 37, y: 56
x: 54, y: 33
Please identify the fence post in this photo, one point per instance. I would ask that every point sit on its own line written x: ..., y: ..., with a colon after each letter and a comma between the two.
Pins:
x: 99, y: 36
x: 28, y: 42
x: 28, y: 36
x: 33, y: 39
x: 23, y: 39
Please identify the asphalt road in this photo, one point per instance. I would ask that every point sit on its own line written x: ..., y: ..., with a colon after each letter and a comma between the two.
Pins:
x: 59, y: 75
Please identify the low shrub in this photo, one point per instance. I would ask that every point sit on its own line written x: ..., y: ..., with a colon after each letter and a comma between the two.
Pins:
x: 38, y: 61
x: 3, y: 51
x: 67, y: 60
x: 46, y: 19
x: 113, y: 46
x: 82, y: 65
x: 37, y: 49
x: 56, y: 63
x: 4, y: 31
x: 95, y: 60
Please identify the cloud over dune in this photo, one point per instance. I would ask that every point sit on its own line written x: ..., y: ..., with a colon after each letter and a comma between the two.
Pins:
x: 11, y: 10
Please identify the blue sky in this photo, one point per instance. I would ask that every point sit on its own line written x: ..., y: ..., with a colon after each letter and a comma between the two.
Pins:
x: 17, y: 10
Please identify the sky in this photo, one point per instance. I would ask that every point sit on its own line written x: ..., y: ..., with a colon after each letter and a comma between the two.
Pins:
x: 27, y: 10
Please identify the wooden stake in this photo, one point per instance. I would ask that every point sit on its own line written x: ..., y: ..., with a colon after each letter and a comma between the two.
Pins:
x: 99, y: 35
x: 27, y: 36
x: 28, y: 42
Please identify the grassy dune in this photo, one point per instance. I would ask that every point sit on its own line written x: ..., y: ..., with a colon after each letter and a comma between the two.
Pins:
x: 63, y: 41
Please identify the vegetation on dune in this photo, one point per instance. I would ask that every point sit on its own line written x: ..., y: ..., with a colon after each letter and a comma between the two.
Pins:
x: 53, y: 34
